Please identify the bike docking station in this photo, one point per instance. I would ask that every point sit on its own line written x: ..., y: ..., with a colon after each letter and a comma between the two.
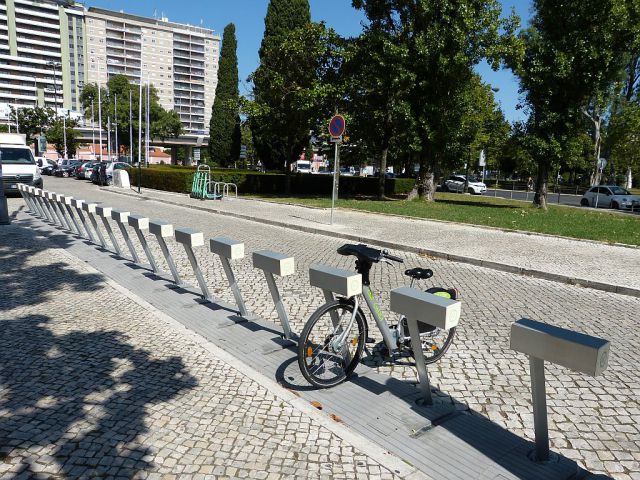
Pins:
x: 443, y: 313
x: 139, y: 224
x: 57, y: 198
x: 42, y: 196
x: 162, y: 230
x: 77, y: 204
x: 55, y: 202
x: 90, y: 209
x: 65, y: 202
x: 122, y: 219
x: 40, y: 201
x: 29, y: 195
x: 274, y: 263
x: 190, y: 238
x: 47, y: 206
x: 334, y: 280
x: 22, y: 188
x: 105, y: 213
x: 573, y: 350
x: 55, y: 216
x: 228, y: 249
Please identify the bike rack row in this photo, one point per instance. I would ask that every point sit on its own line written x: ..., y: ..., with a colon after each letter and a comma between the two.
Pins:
x: 541, y: 342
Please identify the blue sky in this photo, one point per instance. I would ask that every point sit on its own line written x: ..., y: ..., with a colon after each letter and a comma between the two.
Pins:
x: 248, y: 16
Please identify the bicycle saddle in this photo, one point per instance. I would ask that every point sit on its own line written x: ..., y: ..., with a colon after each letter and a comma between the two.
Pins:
x: 419, y: 273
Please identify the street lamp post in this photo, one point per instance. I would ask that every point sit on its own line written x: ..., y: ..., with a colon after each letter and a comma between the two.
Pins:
x: 100, y: 119
x: 115, y: 119
x: 53, y: 65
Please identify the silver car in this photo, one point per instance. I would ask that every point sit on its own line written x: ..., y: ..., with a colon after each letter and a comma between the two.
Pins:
x: 610, y: 196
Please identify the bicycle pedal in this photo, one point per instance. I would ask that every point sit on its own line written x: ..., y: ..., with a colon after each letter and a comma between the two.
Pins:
x: 370, y: 340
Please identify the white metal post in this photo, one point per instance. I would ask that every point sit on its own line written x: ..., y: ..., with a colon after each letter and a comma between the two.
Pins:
x: 100, y: 119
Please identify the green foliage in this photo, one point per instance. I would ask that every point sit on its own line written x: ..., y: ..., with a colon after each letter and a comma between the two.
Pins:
x: 295, y: 94
x: 55, y: 135
x: 164, y: 124
x: 624, y: 137
x: 224, y: 127
x: 574, y: 50
x: 37, y: 120
x: 444, y: 41
x: 33, y: 121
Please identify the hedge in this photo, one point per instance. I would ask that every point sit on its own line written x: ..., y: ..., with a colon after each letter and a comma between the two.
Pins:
x: 180, y: 180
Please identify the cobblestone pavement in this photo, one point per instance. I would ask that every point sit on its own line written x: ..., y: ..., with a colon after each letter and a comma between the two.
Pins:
x: 596, y: 262
x: 87, y: 392
x: 595, y: 421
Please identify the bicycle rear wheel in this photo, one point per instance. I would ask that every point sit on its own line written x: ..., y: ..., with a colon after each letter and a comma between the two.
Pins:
x: 323, y: 360
x: 435, y: 341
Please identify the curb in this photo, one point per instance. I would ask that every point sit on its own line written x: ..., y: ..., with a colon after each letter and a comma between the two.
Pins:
x: 503, y: 267
x: 385, y: 458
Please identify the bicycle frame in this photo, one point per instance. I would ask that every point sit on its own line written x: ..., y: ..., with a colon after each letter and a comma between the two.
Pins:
x: 388, y: 336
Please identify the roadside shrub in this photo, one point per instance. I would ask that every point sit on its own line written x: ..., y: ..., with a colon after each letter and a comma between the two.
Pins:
x: 180, y: 179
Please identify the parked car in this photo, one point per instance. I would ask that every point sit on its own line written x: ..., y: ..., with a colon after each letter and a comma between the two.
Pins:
x: 49, y: 167
x: 610, y: 196
x: 79, y: 172
x: 456, y: 184
x: 67, y: 168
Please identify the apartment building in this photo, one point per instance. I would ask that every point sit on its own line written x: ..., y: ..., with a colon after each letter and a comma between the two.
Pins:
x: 181, y: 61
x: 41, y: 54
x: 57, y: 46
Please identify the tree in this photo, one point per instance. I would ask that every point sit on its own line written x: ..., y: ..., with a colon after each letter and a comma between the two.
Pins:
x: 624, y: 140
x: 56, y: 135
x: 164, y: 124
x: 283, y: 17
x: 445, y: 40
x: 297, y: 93
x: 376, y: 91
x: 224, y: 127
x: 573, y: 52
x: 32, y: 121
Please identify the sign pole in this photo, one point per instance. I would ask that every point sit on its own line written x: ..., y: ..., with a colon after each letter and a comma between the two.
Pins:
x: 337, y: 126
x: 336, y: 177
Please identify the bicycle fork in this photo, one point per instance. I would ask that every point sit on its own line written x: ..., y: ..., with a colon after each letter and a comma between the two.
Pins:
x: 339, y: 342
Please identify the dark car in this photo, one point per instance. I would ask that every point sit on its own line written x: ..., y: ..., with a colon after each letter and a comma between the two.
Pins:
x: 49, y: 168
x: 67, y: 168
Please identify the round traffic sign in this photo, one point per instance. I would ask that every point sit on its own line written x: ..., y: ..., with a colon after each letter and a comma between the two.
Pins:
x: 337, y: 126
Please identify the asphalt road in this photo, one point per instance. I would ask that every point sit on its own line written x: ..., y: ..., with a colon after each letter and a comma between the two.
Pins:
x: 552, y: 198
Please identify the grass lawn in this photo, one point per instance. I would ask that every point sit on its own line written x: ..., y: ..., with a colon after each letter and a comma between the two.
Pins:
x: 494, y: 212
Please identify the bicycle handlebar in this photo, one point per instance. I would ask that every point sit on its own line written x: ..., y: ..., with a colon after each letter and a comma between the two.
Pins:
x: 386, y: 254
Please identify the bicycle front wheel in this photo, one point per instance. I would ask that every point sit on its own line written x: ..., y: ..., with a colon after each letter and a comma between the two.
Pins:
x: 326, y: 355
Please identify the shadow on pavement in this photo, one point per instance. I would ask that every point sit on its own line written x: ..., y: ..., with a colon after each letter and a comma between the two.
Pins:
x: 80, y: 394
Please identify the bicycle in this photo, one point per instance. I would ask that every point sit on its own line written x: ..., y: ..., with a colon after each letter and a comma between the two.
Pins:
x: 329, y: 350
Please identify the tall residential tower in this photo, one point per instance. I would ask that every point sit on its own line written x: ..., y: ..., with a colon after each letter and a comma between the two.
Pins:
x: 42, y: 57
x: 49, y: 46
x: 181, y: 61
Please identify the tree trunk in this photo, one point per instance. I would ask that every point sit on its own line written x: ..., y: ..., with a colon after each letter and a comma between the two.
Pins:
x: 629, y: 178
x: 287, y: 178
x: 540, y: 197
x: 383, y: 171
x: 597, y: 143
x: 424, y: 187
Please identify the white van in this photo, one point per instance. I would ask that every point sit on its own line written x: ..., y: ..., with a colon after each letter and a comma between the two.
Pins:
x: 301, y: 166
x: 18, y: 163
